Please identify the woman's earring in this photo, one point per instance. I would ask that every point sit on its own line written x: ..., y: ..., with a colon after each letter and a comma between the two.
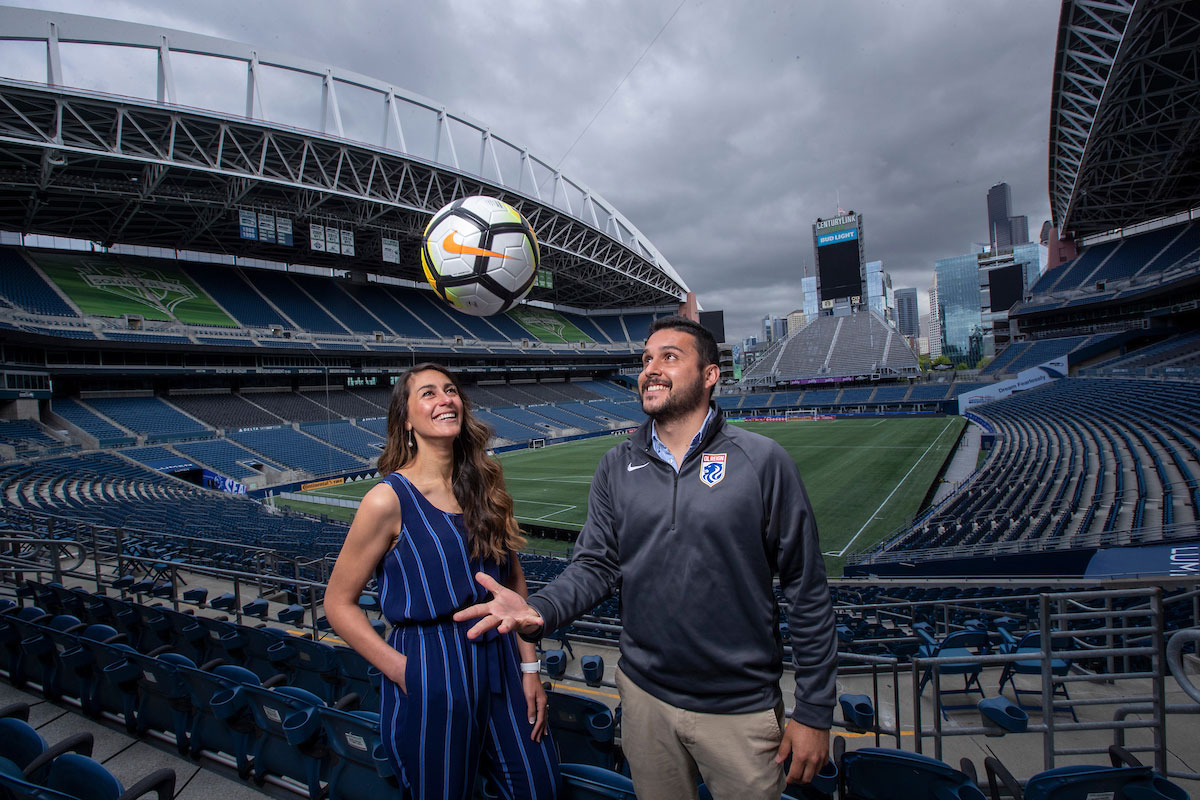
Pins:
x: 412, y: 440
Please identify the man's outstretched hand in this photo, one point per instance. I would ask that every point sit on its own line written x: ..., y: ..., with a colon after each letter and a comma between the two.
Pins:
x: 507, y: 611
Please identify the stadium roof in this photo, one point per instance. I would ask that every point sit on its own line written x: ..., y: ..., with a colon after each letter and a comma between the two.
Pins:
x: 124, y: 159
x: 1125, y: 113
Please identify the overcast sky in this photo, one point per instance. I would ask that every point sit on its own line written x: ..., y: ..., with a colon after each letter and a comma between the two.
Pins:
x: 744, y: 122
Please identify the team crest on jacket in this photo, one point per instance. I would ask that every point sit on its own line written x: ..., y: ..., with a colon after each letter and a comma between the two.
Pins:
x: 712, y: 468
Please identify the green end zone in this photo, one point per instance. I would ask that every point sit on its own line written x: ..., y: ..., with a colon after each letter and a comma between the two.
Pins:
x: 864, y: 477
x: 102, y: 287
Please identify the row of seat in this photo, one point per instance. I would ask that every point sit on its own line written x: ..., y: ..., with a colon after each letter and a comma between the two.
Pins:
x: 1080, y: 458
x: 269, y: 704
x: 32, y: 768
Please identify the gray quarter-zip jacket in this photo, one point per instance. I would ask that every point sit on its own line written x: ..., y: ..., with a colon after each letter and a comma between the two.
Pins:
x: 694, y: 554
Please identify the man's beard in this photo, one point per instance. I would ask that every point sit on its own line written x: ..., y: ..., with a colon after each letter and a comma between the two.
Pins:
x: 677, y: 404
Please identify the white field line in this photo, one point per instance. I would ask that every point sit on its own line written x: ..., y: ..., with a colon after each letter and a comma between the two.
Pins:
x: 545, y: 517
x: 584, y: 480
x: 871, y: 518
x: 877, y: 424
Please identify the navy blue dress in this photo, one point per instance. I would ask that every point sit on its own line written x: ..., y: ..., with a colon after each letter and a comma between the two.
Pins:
x: 465, y: 706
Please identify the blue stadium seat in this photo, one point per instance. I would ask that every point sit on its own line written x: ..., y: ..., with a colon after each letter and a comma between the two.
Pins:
x: 874, y: 773
x: 955, y: 645
x: 1083, y: 782
x: 77, y: 776
x: 360, y: 770
x: 583, y: 729
x: 590, y: 782
x: 221, y: 722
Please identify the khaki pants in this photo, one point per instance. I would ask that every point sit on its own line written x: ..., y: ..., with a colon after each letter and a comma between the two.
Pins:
x: 668, y: 747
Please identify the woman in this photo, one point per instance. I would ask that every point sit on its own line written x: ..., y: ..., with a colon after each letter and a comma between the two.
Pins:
x: 449, y: 706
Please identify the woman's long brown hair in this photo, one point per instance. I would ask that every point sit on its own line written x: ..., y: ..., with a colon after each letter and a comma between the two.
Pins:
x: 477, y: 480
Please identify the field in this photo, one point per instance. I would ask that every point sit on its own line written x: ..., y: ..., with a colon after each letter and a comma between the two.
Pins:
x: 865, y: 477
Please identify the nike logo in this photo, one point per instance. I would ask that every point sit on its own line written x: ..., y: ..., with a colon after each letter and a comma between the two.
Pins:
x: 631, y: 468
x: 451, y: 245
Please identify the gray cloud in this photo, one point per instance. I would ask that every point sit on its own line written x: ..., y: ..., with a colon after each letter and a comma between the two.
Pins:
x: 742, y: 124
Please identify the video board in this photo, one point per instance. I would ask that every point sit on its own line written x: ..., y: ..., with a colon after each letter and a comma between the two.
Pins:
x: 838, y: 264
x: 1006, y: 286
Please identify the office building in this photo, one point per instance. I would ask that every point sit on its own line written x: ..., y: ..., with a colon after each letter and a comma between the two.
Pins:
x: 795, y: 321
x: 880, y: 297
x: 908, y: 317
x: 974, y: 293
x: 934, y: 331
x: 999, y: 209
x: 1018, y: 230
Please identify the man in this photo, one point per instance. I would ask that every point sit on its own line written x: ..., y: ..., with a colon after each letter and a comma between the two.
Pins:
x: 691, y: 517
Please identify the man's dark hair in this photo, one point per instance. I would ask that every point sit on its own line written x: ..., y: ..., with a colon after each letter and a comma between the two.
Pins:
x: 706, y: 345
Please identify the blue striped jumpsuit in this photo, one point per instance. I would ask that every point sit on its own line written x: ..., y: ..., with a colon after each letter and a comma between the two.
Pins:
x: 465, y: 707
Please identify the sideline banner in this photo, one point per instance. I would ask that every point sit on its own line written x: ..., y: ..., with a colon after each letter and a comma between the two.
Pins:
x: 1031, y: 378
x: 1173, y: 560
x: 304, y: 487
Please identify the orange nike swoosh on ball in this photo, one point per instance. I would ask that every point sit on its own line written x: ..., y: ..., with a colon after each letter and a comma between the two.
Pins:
x: 451, y: 245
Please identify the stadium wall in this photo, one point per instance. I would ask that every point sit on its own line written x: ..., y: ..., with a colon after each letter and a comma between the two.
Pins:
x: 1054, y: 563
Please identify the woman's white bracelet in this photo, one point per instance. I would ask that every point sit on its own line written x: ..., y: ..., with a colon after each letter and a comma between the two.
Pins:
x: 531, y: 667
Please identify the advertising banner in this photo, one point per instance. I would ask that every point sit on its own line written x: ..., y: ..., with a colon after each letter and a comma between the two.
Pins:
x: 304, y: 487
x: 1176, y: 561
x: 222, y: 484
x: 1031, y: 378
x: 837, y: 236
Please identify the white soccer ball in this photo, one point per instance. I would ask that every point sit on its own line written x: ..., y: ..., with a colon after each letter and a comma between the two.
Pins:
x: 479, y: 255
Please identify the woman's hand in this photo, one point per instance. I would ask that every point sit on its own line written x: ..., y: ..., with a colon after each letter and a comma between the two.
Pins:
x: 395, y: 670
x: 535, y: 703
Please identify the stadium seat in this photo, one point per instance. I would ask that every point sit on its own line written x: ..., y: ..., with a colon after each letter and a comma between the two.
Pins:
x: 80, y: 777
x: 37, y: 662
x: 589, y: 782
x: 956, y: 645
x: 583, y: 729
x: 221, y: 722
x: 189, y: 638
x: 226, y: 640
x: 315, y: 668
x: 360, y: 770
x: 24, y: 748
x: 359, y: 677
x: 1031, y: 644
x: 875, y: 773
x: 288, y: 732
x: 1082, y: 782
x: 163, y: 702
x: 71, y: 673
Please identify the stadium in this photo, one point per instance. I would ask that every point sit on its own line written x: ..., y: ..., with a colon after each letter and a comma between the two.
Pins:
x: 203, y: 311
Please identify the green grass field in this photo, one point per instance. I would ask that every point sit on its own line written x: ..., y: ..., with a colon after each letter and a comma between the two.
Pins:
x: 865, y: 477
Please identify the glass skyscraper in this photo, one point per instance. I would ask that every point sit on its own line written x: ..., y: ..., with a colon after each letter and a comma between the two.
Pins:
x: 970, y: 329
x: 958, y: 309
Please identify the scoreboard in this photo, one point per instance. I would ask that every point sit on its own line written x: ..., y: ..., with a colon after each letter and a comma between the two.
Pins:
x: 839, y: 255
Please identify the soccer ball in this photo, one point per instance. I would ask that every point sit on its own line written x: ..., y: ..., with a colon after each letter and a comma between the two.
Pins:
x: 479, y: 255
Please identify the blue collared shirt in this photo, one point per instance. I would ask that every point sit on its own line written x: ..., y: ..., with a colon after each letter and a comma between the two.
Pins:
x: 661, y: 450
